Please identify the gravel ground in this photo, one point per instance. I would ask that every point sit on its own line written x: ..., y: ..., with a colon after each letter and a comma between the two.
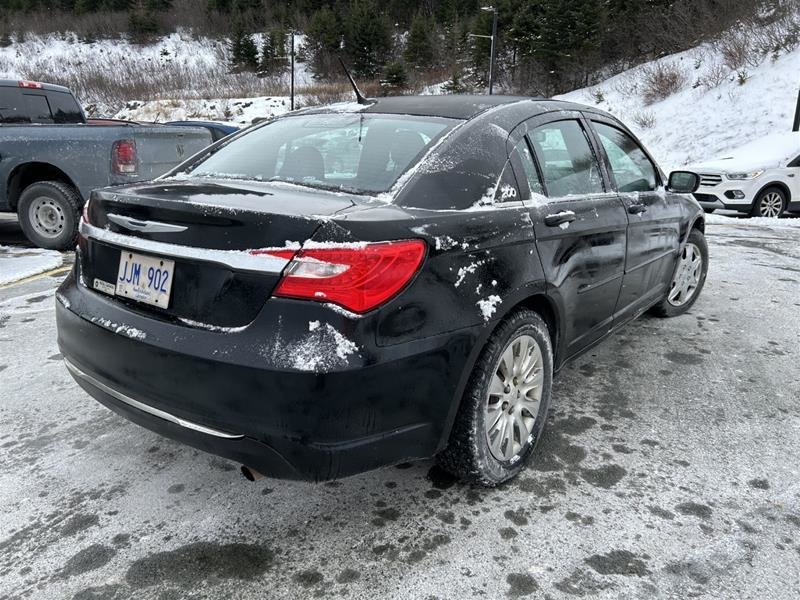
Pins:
x: 669, y: 469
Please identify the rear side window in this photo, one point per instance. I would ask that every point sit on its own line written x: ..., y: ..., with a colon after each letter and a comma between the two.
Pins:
x: 38, y: 108
x: 632, y: 170
x: 523, y: 162
x: 569, y: 166
x: 64, y: 108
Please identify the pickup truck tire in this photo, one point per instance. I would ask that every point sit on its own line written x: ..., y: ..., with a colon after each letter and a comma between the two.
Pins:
x: 48, y: 213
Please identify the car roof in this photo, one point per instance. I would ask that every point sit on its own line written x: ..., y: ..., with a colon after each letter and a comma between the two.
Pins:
x: 52, y: 87
x: 451, y: 106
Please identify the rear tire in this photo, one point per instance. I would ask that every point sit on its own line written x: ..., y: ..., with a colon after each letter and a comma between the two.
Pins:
x: 688, y: 279
x: 770, y: 203
x: 48, y: 213
x: 511, y: 380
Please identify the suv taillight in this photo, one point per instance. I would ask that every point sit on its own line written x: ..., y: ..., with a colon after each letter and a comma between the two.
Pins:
x: 358, y: 277
x: 123, y: 157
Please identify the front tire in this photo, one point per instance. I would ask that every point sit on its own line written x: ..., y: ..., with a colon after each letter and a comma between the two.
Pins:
x: 48, y: 214
x: 504, y: 408
x: 770, y: 203
x: 688, y: 279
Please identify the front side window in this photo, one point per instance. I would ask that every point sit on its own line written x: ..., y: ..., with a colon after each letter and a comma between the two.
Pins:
x: 358, y: 153
x: 568, y: 164
x: 632, y: 170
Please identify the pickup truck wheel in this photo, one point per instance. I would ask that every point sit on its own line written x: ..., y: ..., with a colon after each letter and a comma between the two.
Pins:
x: 504, y: 408
x: 48, y: 213
x: 688, y: 279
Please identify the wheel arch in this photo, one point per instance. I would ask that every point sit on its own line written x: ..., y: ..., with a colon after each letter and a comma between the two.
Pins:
x: 774, y: 184
x: 34, y: 172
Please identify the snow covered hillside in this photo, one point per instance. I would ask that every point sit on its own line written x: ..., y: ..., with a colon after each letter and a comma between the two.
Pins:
x: 716, y: 109
x: 176, y: 68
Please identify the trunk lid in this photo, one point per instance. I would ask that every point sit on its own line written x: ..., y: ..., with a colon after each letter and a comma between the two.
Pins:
x: 207, y: 228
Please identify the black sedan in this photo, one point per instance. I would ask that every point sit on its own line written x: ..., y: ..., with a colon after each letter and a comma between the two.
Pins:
x: 345, y: 288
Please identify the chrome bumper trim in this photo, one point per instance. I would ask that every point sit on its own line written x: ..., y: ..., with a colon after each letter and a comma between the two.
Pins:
x: 78, y: 374
x: 239, y: 260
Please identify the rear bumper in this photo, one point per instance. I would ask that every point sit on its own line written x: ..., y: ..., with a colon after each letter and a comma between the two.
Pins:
x: 235, y: 395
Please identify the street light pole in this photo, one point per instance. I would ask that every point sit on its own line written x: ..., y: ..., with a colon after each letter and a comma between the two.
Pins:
x: 491, y: 56
x: 291, y: 91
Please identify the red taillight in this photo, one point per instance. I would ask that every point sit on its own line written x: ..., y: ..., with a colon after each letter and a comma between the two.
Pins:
x: 358, y: 277
x: 33, y: 85
x: 123, y: 157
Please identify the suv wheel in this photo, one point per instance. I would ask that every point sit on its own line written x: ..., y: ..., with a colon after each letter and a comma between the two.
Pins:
x: 504, y: 409
x: 770, y: 203
x: 688, y: 279
x: 48, y: 214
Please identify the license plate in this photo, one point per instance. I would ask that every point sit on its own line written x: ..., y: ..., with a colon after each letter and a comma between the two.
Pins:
x: 145, y: 278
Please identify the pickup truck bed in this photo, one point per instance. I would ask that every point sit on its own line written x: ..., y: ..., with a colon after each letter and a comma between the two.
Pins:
x: 51, y: 158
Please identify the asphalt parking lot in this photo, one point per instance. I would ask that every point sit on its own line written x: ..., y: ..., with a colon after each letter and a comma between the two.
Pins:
x: 669, y: 470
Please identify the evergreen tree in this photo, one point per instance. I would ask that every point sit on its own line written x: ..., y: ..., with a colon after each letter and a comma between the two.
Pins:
x: 395, y: 78
x: 419, y: 52
x: 244, y: 52
x: 323, y: 40
x: 273, y: 52
x: 367, y: 38
x: 142, y: 25
x: 456, y: 83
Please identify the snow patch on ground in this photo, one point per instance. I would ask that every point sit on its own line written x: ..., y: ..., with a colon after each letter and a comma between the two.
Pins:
x: 755, y: 222
x: 488, y: 306
x: 19, y: 263
x: 33, y: 302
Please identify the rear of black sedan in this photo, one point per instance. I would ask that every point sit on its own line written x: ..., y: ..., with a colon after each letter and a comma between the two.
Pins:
x: 322, y: 294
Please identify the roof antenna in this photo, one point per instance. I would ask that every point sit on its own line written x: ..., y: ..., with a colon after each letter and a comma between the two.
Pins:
x: 359, y: 97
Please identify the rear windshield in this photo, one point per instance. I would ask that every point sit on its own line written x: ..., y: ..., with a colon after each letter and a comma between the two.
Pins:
x: 357, y: 153
x: 25, y: 105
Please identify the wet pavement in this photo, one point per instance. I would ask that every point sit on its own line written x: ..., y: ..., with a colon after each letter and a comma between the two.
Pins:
x: 669, y: 469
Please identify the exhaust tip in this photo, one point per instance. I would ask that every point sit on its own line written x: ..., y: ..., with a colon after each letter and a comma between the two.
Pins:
x: 250, y: 474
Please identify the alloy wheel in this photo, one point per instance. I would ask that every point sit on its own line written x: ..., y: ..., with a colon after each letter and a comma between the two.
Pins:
x: 687, y: 276
x: 771, y: 205
x: 515, y: 395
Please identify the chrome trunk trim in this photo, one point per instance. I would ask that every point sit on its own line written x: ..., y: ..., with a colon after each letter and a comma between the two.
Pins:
x: 238, y: 260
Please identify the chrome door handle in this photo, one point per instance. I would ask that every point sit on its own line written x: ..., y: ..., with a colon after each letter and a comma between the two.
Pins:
x: 637, y: 209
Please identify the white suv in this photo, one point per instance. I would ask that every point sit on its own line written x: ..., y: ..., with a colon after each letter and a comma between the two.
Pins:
x: 761, y: 178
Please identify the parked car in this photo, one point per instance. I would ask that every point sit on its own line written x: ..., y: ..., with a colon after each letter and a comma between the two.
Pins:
x: 51, y: 158
x: 761, y: 179
x: 331, y: 292
x: 217, y: 130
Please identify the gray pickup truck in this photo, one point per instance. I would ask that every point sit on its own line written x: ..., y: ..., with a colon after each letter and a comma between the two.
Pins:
x: 51, y: 157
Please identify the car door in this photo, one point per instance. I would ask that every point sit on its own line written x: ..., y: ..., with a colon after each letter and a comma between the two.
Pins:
x: 794, y: 186
x: 654, y: 218
x: 580, y: 227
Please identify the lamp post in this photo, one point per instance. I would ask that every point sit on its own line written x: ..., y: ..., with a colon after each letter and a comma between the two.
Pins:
x: 492, y: 37
x: 796, y: 126
x: 291, y: 85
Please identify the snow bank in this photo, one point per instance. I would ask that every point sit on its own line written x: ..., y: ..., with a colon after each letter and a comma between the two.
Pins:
x: 19, y: 263
x: 704, y: 120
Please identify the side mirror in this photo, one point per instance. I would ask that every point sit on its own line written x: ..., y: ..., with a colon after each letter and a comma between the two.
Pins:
x: 683, y: 182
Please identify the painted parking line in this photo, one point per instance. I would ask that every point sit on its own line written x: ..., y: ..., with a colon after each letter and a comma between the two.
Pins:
x: 50, y: 273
